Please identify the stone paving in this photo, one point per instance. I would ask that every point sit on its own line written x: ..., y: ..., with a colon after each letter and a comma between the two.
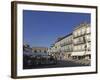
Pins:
x: 62, y: 63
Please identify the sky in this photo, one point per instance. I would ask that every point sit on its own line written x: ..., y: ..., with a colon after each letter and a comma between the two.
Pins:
x: 42, y: 28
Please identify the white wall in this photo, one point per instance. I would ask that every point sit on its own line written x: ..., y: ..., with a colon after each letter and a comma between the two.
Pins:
x: 5, y: 41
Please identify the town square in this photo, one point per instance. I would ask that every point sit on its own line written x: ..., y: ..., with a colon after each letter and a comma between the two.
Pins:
x: 70, y: 45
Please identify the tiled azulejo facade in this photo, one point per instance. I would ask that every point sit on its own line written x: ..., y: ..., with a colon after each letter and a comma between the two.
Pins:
x: 76, y: 45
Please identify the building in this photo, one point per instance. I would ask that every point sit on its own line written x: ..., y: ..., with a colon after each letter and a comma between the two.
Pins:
x: 33, y: 51
x: 63, y: 47
x: 82, y: 42
x: 76, y: 45
x: 27, y: 50
x: 40, y: 50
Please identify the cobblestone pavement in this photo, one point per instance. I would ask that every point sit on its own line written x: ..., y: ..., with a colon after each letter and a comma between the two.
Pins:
x: 63, y: 63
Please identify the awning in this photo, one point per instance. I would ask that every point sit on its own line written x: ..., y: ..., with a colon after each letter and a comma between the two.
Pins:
x: 88, y: 52
x: 78, y: 53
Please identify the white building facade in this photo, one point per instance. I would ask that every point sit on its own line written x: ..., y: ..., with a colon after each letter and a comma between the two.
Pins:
x: 82, y: 42
x: 76, y: 45
x: 63, y: 47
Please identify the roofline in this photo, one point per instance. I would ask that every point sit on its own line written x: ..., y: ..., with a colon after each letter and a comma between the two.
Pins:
x: 65, y: 37
x: 39, y: 47
x: 80, y: 25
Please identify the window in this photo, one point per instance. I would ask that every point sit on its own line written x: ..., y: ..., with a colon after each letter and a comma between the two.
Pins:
x: 88, y: 37
x: 83, y: 30
x: 83, y: 47
x: 40, y: 51
x: 75, y: 48
x: 75, y: 34
x: 79, y: 47
x: 35, y: 51
x: 45, y: 51
x: 79, y: 32
x: 89, y: 46
x: 88, y: 30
